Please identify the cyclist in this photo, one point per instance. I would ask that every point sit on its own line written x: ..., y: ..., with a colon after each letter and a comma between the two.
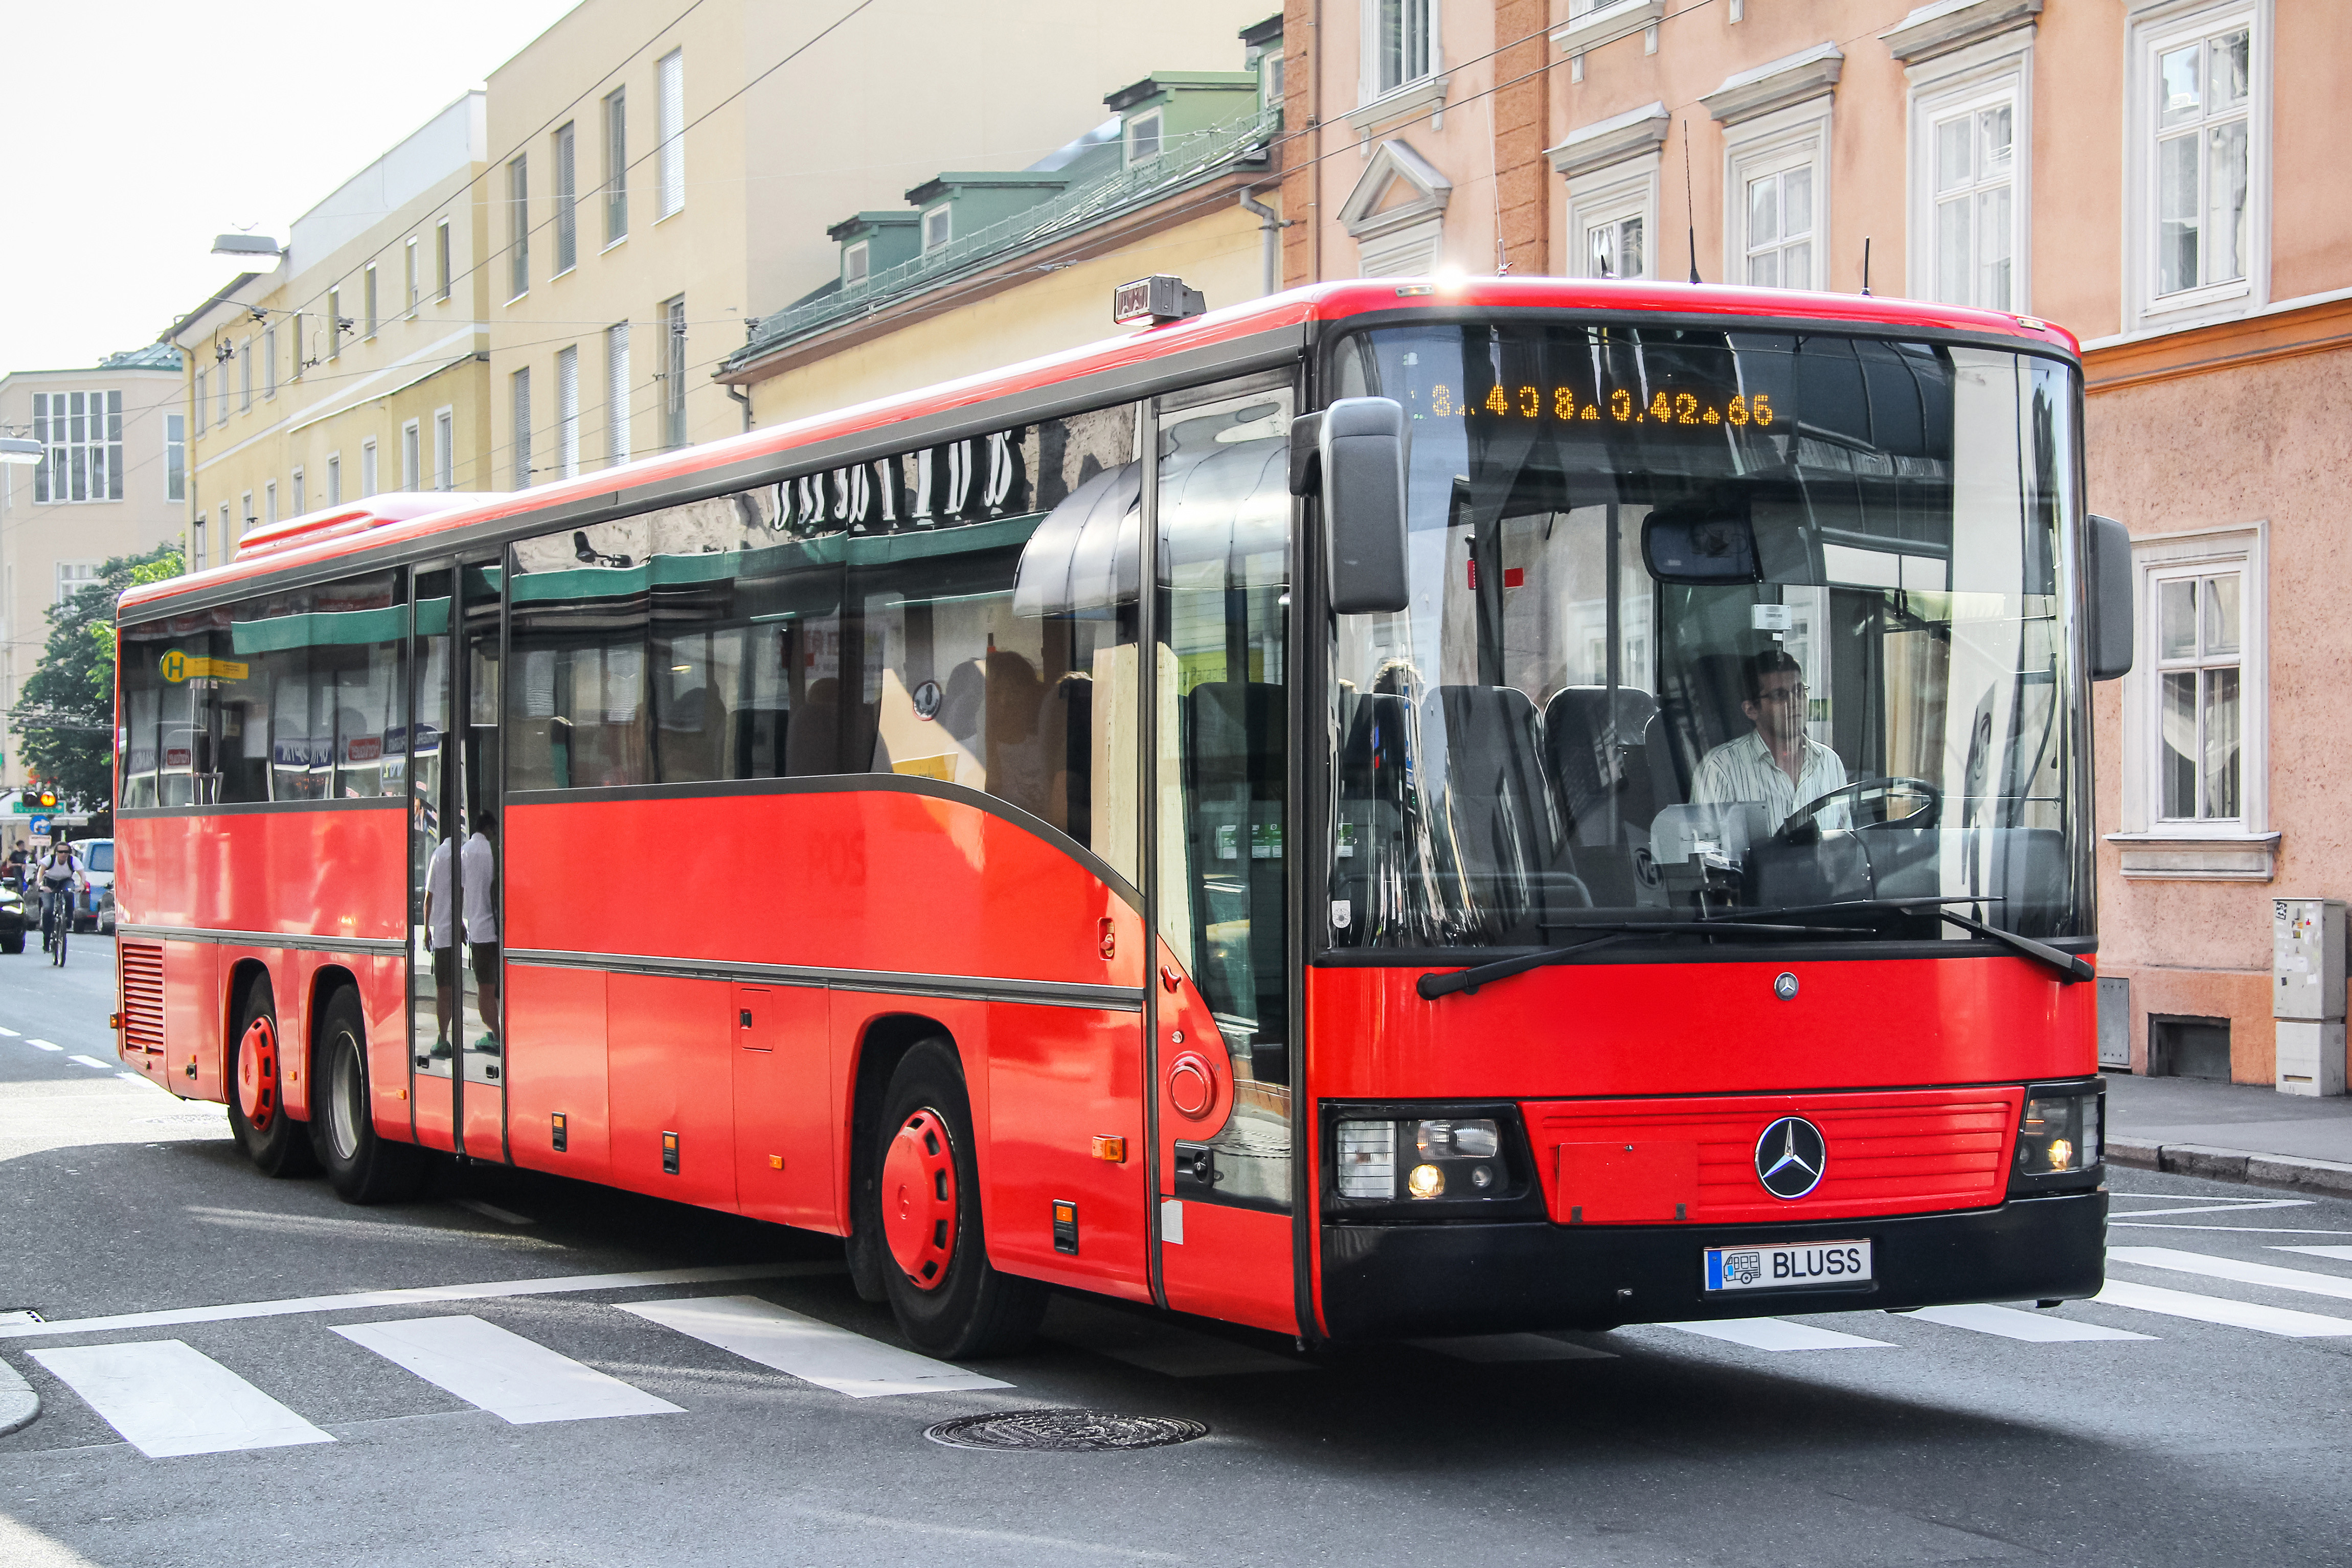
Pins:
x: 61, y: 874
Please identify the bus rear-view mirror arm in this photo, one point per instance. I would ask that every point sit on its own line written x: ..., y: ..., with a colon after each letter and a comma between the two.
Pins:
x: 1353, y: 454
x: 2111, y: 599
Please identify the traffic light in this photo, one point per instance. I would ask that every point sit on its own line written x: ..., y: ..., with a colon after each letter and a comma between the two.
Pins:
x: 46, y: 800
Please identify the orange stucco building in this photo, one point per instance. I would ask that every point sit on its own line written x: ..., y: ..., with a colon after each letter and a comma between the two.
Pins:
x: 2160, y: 177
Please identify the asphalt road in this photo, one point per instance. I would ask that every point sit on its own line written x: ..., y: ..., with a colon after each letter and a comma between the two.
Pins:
x: 2171, y: 1438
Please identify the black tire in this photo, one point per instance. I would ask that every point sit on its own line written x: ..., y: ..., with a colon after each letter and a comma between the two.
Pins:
x: 58, y: 941
x: 13, y: 944
x: 364, y: 1167
x: 278, y: 1146
x: 971, y: 1310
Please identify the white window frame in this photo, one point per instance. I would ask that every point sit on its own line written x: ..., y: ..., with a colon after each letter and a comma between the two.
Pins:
x: 245, y: 517
x: 175, y: 455
x: 1146, y: 135
x: 856, y: 263
x: 618, y: 384
x: 1433, y: 64
x: 445, y: 447
x: 1621, y: 191
x: 1980, y: 77
x: 268, y: 362
x: 300, y: 492
x: 669, y: 134
x: 2157, y: 26
x: 1790, y: 138
x: 413, y: 278
x: 1272, y: 78
x: 564, y: 158
x: 411, y: 457
x: 244, y: 375
x: 270, y: 501
x: 334, y: 479
x: 371, y: 300
x: 2154, y: 845
x: 73, y: 576
x: 367, y: 467
x: 442, y: 269
x: 519, y: 416
x: 945, y: 214
x: 567, y: 412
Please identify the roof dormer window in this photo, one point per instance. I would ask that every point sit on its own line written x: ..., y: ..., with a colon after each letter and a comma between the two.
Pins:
x: 937, y: 229
x: 856, y: 264
x: 1143, y: 133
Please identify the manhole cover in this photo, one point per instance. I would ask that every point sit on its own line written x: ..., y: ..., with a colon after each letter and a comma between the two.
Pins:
x: 1064, y: 1431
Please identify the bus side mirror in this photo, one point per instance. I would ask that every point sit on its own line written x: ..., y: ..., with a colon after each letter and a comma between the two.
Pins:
x: 1353, y: 454
x: 2111, y: 599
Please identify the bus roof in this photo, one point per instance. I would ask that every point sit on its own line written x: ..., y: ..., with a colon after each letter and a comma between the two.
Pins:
x: 353, y: 530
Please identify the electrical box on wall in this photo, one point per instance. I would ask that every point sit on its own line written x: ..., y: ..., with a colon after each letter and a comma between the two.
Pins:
x: 2307, y: 963
x: 2115, y: 1022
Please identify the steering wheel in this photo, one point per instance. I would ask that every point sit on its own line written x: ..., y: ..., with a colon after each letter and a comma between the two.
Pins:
x: 1803, y: 823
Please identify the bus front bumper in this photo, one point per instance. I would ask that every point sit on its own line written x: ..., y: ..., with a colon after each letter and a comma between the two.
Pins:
x: 1396, y: 1282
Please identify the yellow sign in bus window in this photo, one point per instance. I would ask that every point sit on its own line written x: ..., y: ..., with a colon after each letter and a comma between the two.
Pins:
x: 178, y: 666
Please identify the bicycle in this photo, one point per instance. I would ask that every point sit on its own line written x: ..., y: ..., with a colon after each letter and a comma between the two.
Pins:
x: 57, y: 922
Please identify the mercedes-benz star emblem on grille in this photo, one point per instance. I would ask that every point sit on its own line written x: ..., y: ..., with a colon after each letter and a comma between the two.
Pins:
x: 1784, y: 986
x: 1790, y: 1157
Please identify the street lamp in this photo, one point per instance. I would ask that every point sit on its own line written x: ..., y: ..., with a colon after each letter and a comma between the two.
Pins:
x: 254, y: 248
x: 20, y: 449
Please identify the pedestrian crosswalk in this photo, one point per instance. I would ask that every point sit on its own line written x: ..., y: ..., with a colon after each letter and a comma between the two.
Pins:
x: 166, y: 1399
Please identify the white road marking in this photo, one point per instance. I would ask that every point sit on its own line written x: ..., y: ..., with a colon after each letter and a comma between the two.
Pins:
x: 43, y: 1045
x: 9, y: 1034
x: 2217, y: 1206
x: 92, y: 1061
x: 2245, y: 1273
x: 810, y: 1350
x: 517, y: 1379
x: 415, y: 1295
x: 132, y: 1077
x: 2341, y: 1254
x: 167, y: 1399
x: 492, y: 1210
x: 2235, y: 1229
x: 1778, y: 1334
x: 2219, y: 1310
x: 2036, y: 1327
x: 1491, y: 1348
x: 1155, y: 1345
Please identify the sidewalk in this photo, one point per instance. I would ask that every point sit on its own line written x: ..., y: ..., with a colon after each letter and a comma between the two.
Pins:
x: 2230, y: 1132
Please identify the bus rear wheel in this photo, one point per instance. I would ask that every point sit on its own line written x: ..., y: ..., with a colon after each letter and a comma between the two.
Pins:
x: 949, y: 1301
x: 256, y: 1100
x: 364, y: 1167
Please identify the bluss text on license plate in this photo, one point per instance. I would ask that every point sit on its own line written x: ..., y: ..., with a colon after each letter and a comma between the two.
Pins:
x: 1784, y: 1266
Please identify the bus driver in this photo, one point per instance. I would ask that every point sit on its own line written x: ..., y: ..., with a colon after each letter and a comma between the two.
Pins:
x: 1777, y: 765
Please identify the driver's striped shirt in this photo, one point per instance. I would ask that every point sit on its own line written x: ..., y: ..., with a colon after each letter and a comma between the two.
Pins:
x: 1744, y: 770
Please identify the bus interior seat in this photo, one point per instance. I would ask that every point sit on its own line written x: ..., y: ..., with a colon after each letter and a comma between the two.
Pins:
x: 1497, y: 801
x: 1235, y: 737
x: 1602, y: 763
x: 1375, y: 810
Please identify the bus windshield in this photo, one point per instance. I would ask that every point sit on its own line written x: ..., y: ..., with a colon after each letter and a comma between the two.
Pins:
x: 1708, y: 623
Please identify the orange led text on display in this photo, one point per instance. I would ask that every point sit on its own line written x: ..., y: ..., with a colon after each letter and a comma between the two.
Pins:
x: 1622, y: 407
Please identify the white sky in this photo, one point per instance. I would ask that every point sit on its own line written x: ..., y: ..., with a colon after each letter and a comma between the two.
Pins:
x: 136, y: 130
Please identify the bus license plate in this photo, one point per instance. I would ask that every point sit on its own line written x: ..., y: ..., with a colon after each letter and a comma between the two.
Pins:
x: 1780, y: 1267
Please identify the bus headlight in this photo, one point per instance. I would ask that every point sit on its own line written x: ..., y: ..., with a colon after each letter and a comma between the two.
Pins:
x: 1368, y: 1159
x: 2058, y: 1135
x: 1439, y: 1161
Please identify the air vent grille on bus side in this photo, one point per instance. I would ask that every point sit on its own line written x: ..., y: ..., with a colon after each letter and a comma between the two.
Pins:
x: 143, y: 996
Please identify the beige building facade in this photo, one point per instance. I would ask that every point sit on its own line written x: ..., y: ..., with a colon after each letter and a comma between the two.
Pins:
x: 651, y: 199
x: 114, y: 484
x: 2158, y: 176
x: 357, y: 365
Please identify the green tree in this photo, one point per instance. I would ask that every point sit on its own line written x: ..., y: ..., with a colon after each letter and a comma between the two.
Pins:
x: 64, y: 719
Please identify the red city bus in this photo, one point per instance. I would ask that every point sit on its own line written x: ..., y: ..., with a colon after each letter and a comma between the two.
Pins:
x: 1600, y: 833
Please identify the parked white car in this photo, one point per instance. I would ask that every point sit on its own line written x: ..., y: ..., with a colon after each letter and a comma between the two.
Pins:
x: 94, y: 905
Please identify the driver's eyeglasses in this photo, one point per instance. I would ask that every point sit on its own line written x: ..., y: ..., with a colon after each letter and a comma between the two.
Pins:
x: 1782, y: 693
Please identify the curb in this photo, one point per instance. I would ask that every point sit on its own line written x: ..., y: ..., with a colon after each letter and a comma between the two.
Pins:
x: 2232, y: 1165
x: 18, y: 1403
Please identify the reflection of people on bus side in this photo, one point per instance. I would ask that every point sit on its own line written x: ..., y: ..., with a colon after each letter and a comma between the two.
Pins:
x: 1071, y: 802
x: 1020, y: 764
x: 481, y: 868
x: 440, y: 936
x: 1777, y: 765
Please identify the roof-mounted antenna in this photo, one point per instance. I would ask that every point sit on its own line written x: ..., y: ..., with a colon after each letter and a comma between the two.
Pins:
x: 1865, y: 266
x: 1690, y: 206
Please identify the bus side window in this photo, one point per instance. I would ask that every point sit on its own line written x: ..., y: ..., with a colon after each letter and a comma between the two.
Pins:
x: 576, y: 705
x: 359, y: 638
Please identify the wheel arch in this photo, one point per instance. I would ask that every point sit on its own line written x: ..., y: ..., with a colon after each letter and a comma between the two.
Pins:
x: 884, y: 1043
x: 325, y: 981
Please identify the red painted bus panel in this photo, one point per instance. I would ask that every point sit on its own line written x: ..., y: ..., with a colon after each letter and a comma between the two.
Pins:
x: 556, y: 1064
x: 784, y: 1136
x: 852, y: 1018
x: 306, y: 873
x: 193, y: 1024
x: 669, y: 1050
x: 436, y: 1115
x: 845, y: 879
x: 1187, y: 1035
x: 1058, y: 1080
x: 1698, y: 1029
x: 1658, y: 1161
x: 383, y: 1002
x: 485, y: 1127
x: 1234, y: 1263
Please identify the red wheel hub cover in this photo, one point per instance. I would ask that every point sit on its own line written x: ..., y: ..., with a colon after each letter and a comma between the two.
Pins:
x: 919, y: 1199
x: 256, y: 1074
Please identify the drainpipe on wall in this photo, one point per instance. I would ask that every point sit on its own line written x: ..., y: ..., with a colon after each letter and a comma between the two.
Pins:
x: 739, y: 395
x: 1271, y: 224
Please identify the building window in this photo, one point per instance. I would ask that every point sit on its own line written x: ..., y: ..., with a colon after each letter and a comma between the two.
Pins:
x: 1778, y: 198
x: 82, y: 438
x: 445, y: 449
x: 2200, y: 120
x: 521, y: 385
x: 299, y: 494
x: 244, y: 375
x: 368, y: 297
x: 616, y: 394
x: 1143, y: 136
x: 674, y: 373
x: 410, y: 479
x: 1270, y: 79
x: 334, y: 479
x: 244, y: 519
x: 938, y: 228
x: 1401, y: 42
x: 73, y: 576
x: 567, y: 412
x: 294, y: 359
x: 197, y: 559
x: 270, y: 501
x: 2199, y: 644
x: 269, y: 361
x: 336, y: 325
x: 412, y: 279
x: 856, y: 264
x: 518, y: 226
x: 616, y: 166
x: 567, y: 199
x: 669, y: 132
x: 1976, y: 227
x: 203, y: 397
x: 441, y: 260
x: 367, y: 467
x: 176, y: 457
x: 228, y: 535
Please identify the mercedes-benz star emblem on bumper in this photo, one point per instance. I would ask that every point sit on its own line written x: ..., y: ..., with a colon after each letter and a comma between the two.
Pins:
x: 1791, y: 1156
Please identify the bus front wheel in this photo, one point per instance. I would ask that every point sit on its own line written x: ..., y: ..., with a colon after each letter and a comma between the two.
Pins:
x: 256, y: 1082
x: 364, y: 1167
x: 948, y: 1300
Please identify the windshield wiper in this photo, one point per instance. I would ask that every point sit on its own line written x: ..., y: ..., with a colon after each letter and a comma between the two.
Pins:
x: 2070, y: 967
x: 1432, y: 986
